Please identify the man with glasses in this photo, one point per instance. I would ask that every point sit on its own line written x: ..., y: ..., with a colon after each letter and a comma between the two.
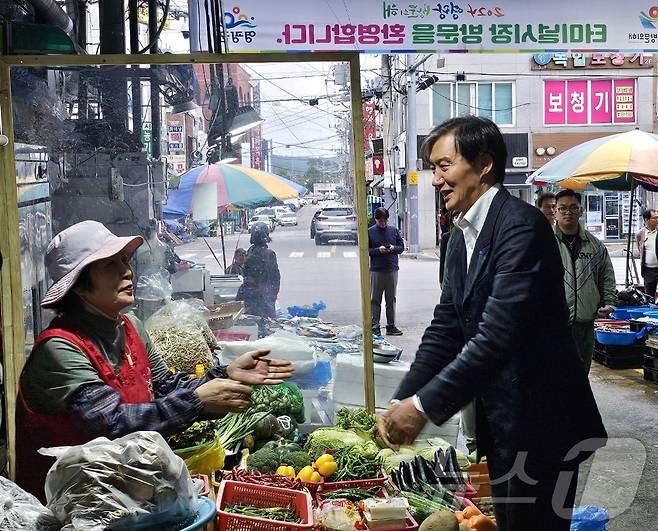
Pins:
x: 589, y: 278
x: 646, y: 244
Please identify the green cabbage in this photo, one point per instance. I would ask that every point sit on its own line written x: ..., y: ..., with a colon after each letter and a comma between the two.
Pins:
x: 332, y: 438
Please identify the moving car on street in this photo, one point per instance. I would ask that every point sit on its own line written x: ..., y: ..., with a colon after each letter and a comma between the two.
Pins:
x: 288, y: 218
x: 335, y: 223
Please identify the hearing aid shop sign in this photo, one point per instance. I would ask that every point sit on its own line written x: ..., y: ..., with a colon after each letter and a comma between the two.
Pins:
x: 589, y: 101
x: 429, y: 26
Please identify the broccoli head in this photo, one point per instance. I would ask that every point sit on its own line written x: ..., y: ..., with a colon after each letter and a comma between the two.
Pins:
x: 297, y: 460
x: 265, y: 460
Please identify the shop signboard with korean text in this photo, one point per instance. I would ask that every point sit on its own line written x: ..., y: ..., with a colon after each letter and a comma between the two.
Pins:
x: 430, y: 26
x: 590, y: 101
x: 590, y: 61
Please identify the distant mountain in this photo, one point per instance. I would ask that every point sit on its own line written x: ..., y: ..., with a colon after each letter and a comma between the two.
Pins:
x: 292, y: 167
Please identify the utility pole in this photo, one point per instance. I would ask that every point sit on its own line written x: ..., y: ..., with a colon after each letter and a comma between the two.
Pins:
x: 412, y: 154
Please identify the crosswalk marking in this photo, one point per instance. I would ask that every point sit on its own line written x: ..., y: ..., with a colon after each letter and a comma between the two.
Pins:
x: 296, y: 254
x: 324, y: 254
x: 349, y: 254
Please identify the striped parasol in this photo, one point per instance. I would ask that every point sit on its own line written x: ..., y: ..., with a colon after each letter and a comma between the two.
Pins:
x: 237, y: 187
x: 611, y: 163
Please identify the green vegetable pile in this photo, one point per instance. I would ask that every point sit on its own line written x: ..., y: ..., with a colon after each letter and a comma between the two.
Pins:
x: 281, y: 399
x: 357, y: 419
x: 198, y: 433
x: 354, y: 495
x: 353, y: 465
x: 324, y: 439
x: 230, y: 430
x: 279, y: 514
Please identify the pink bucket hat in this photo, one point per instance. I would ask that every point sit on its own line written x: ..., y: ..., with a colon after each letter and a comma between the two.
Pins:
x: 76, y: 247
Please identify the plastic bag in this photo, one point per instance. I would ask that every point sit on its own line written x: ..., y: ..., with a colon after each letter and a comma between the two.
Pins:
x: 203, y: 458
x: 154, y: 286
x: 132, y: 482
x: 589, y: 518
x: 20, y: 511
x: 182, y: 336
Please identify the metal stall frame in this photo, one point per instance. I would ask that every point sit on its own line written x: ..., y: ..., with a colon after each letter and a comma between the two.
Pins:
x: 11, y: 308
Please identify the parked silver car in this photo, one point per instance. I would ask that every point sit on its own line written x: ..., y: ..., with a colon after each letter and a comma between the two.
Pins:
x: 335, y: 223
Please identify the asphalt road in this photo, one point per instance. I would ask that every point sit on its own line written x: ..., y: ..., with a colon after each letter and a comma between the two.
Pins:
x: 330, y: 273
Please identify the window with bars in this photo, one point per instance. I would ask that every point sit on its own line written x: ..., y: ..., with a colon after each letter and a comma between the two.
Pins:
x: 493, y: 100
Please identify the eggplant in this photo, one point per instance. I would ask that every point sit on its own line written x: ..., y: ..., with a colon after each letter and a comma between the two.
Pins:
x: 419, y: 469
x: 407, y: 477
x: 454, y: 466
x: 412, y: 475
x: 395, y: 477
x: 439, y: 464
x: 428, y: 472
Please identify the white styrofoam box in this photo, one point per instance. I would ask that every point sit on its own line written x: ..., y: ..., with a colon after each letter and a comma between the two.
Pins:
x: 188, y: 280
x: 348, y: 380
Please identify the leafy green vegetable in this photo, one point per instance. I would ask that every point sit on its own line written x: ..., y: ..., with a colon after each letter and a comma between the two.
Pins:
x: 281, y: 399
x: 368, y: 449
x: 357, y: 419
x: 392, y: 459
x: 324, y: 439
x: 198, y: 433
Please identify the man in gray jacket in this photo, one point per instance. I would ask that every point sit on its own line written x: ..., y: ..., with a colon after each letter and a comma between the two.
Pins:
x: 589, y: 278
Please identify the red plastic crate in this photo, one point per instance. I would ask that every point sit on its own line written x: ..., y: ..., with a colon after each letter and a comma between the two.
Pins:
x: 225, y: 335
x: 356, y: 483
x: 261, y: 496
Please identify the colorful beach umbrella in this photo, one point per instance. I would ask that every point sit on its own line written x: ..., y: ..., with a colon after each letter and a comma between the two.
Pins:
x: 237, y: 187
x: 611, y: 163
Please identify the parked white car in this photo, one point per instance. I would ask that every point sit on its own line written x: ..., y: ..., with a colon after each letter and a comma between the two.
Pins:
x: 288, y: 218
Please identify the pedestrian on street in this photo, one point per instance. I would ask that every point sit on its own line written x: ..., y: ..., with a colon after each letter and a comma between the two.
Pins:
x: 546, y: 203
x: 589, y: 278
x: 384, y: 245
x: 237, y: 266
x: 646, y: 245
x: 500, y: 335
x: 262, y: 279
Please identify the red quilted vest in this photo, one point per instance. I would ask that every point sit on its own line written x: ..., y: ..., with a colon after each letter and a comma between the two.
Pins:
x: 35, y: 430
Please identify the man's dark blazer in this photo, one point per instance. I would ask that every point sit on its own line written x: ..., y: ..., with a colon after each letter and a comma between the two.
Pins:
x: 500, y: 335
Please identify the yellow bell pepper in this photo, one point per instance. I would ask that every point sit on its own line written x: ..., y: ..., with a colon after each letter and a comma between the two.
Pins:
x: 305, y: 474
x: 326, y: 468
x: 315, y: 477
x: 285, y: 471
x: 323, y: 459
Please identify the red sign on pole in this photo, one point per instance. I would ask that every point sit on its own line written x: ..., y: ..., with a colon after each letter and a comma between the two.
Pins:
x: 369, y: 123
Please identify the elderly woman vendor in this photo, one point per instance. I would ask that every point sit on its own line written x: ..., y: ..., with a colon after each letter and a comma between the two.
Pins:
x: 95, y: 372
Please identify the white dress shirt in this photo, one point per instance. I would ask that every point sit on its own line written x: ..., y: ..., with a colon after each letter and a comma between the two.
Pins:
x: 650, y: 259
x: 472, y: 221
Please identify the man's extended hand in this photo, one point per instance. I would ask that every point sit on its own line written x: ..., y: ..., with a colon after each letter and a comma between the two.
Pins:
x: 401, y: 424
x: 604, y: 312
x: 252, y: 368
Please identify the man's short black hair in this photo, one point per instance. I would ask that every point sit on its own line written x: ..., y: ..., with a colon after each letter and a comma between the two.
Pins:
x: 381, y: 213
x: 647, y: 214
x: 474, y: 137
x: 568, y: 193
x: 543, y: 197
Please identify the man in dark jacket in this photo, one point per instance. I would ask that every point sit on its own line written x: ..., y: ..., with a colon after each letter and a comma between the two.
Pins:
x: 384, y: 246
x: 500, y: 335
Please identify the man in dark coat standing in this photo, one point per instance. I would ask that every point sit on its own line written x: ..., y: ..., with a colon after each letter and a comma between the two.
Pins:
x: 500, y: 335
x: 384, y: 246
